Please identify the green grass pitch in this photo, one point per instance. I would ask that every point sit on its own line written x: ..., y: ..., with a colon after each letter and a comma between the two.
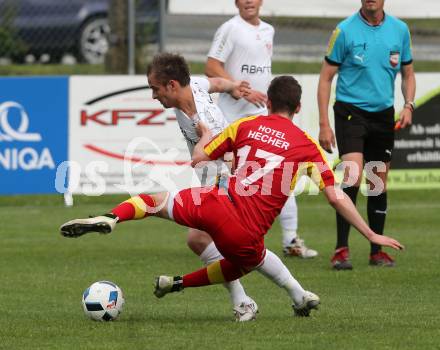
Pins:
x: 43, y: 276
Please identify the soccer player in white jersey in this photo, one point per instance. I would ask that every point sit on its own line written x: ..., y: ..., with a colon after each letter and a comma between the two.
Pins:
x: 242, y: 50
x: 171, y: 84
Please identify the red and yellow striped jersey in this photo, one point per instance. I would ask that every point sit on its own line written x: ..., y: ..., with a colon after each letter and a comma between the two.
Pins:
x: 271, y: 153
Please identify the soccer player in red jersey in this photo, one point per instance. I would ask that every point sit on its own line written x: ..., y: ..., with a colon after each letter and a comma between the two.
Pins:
x: 270, y: 154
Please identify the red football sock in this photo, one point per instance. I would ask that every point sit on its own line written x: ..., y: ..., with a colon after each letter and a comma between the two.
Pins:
x: 134, y: 208
x: 218, y: 272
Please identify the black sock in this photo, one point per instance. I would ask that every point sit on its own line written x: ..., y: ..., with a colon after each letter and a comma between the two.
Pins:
x: 110, y: 215
x: 343, y: 227
x: 377, y: 209
x: 177, y: 284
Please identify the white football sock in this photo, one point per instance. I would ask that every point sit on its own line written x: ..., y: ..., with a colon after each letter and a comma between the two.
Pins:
x: 236, y: 290
x: 274, y: 269
x: 210, y: 254
x: 289, y: 220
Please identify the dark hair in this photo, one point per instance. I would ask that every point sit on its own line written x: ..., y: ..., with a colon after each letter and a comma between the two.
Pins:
x: 167, y: 66
x: 284, y: 94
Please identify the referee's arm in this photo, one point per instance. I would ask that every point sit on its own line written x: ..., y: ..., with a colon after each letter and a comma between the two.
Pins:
x: 409, y: 92
x: 326, y: 134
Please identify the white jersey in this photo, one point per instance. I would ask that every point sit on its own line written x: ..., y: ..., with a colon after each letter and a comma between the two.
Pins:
x: 246, y: 51
x: 210, y: 114
x: 207, y: 111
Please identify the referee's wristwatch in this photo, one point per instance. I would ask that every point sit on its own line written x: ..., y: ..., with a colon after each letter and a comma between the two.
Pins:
x: 411, y: 105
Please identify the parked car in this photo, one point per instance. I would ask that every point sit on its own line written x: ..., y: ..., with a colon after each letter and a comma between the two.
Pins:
x: 57, y: 27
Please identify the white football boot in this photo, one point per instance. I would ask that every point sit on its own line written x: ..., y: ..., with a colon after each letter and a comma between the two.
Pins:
x: 298, y: 248
x: 167, y: 284
x: 78, y: 227
x: 246, y: 311
x: 309, y: 302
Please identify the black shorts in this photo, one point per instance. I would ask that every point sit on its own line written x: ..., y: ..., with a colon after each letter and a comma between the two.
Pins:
x: 369, y: 133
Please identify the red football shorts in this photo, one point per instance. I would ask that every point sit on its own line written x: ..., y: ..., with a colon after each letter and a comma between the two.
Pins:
x: 209, y: 209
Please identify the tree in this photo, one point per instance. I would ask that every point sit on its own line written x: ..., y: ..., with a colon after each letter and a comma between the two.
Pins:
x: 117, y: 58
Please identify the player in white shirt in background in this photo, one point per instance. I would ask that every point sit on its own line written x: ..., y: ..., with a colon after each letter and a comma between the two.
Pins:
x: 242, y: 50
x: 171, y: 84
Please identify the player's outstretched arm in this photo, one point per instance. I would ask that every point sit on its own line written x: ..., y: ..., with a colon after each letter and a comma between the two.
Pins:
x: 237, y: 88
x: 343, y: 204
x: 216, y: 69
x: 257, y: 98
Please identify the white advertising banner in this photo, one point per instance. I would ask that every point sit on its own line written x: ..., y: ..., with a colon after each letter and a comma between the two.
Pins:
x: 121, y: 140
x: 315, y: 8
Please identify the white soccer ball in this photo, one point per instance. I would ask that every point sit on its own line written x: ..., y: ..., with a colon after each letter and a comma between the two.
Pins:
x: 103, y: 301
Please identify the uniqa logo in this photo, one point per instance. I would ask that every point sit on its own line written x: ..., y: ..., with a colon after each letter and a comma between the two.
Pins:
x: 26, y: 158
